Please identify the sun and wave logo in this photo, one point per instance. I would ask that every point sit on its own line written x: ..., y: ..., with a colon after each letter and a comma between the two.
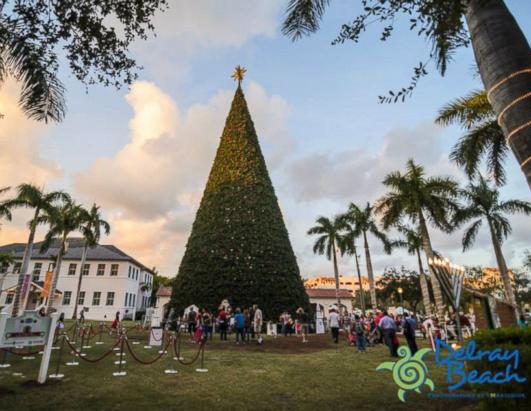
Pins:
x: 410, y: 373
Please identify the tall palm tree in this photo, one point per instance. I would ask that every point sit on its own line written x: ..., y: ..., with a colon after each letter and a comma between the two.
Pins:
x: 63, y: 220
x: 501, y: 50
x: 364, y: 222
x: 330, y: 235
x: 416, y: 197
x: 32, y: 197
x: 413, y: 244
x: 483, y: 138
x: 347, y: 245
x: 5, y: 211
x: 91, y: 228
x: 483, y: 204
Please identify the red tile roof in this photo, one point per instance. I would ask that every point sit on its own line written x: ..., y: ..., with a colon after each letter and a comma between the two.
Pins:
x: 327, y: 293
x: 164, y: 291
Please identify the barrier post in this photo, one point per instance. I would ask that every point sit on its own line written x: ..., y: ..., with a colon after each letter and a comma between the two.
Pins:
x: 120, y: 373
x: 4, y: 364
x: 202, y: 368
x: 99, y: 342
x: 81, y: 353
x: 73, y: 362
x: 59, y: 357
x: 172, y: 369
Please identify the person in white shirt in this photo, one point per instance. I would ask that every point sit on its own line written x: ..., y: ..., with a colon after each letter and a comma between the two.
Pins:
x: 258, y: 319
x: 333, y: 323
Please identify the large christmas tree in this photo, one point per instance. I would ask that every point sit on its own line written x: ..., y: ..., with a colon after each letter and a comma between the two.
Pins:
x: 239, y: 247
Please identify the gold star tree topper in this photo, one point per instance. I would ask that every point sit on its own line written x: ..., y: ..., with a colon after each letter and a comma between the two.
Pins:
x: 239, y: 73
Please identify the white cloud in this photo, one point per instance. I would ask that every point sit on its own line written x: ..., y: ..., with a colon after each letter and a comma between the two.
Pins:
x: 153, y: 185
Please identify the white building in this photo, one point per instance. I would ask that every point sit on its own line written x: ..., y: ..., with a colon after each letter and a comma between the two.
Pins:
x: 321, y: 299
x: 112, y: 280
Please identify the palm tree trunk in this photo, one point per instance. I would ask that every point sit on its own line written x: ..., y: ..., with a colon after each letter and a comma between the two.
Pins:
x: 83, y: 259
x: 20, y: 300
x: 424, y: 286
x: 504, y: 272
x: 428, y: 250
x: 369, y: 271
x: 336, y: 274
x: 55, y: 278
x: 503, y: 57
x: 362, y: 294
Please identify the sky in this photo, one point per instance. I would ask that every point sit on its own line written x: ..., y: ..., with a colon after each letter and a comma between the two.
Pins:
x: 143, y: 153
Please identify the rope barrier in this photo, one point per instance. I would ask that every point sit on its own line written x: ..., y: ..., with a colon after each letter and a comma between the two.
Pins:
x: 73, y: 348
x: 177, y: 351
x: 158, y: 357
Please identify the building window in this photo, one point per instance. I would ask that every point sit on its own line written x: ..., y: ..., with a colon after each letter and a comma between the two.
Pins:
x: 72, y: 269
x: 101, y: 269
x: 37, y: 271
x: 126, y: 299
x: 81, y: 299
x: 18, y: 266
x: 114, y: 269
x: 9, y: 298
x: 110, y: 298
x: 86, y: 269
x: 4, y: 268
x: 96, y: 298
x: 134, y: 300
x: 129, y: 273
x: 66, y: 297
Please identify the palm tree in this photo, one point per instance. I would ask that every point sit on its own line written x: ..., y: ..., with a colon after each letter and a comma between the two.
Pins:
x: 329, y: 232
x: 483, y: 139
x: 501, y: 50
x: 413, y: 244
x: 91, y: 228
x: 483, y: 204
x: 63, y: 220
x: 5, y: 211
x: 364, y: 222
x: 347, y: 245
x: 416, y: 197
x: 32, y: 197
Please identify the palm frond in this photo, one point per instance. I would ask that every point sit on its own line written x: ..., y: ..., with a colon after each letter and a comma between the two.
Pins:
x: 468, y: 111
x: 470, y: 235
x: 303, y: 17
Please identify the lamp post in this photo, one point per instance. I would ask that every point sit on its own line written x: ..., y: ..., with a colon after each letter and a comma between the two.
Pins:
x: 400, y: 291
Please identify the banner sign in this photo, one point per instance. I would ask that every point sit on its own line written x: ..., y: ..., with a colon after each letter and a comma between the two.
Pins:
x: 155, y: 337
x: 25, y: 285
x: 47, y: 283
x: 28, y: 329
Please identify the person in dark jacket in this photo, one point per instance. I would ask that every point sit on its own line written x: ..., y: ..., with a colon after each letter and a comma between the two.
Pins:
x: 409, y: 326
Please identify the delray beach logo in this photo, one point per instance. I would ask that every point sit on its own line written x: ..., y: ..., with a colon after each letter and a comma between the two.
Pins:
x: 410, y: 373
x: 457, y: 374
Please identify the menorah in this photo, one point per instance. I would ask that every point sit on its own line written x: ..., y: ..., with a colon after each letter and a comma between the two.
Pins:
x: 450, y: 277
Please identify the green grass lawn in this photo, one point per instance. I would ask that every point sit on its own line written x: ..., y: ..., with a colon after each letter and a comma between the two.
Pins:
x: 283, y: 374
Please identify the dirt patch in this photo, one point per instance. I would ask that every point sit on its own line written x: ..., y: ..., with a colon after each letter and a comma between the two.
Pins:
x: 289, y: 345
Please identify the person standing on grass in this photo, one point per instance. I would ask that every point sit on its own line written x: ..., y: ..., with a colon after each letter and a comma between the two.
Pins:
x: 257, y: 323
x: 207, y: 324
x: 284, y: 320
x: 251, y: 318
x: 333, y: 322
x: 302, y: 320
x: 222, y: 321
x: 409, y: 327
x: 191, y: 321
x: 115, y: 324
x: 359, y: 329
x: 388, y: 327
x: 239, y: 322
x: 247, y: 324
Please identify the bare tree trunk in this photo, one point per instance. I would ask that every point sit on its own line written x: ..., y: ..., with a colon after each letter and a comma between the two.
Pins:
x: 370, y: 274
x: 362, y: 294
x: 503, y: 57
x: 504, y: 272
x: 83, y: 259
x: 424, y: 286
x: 18, y: 303
x: 336, y: 274
x: 55, y: 278
x: 428, y: 250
